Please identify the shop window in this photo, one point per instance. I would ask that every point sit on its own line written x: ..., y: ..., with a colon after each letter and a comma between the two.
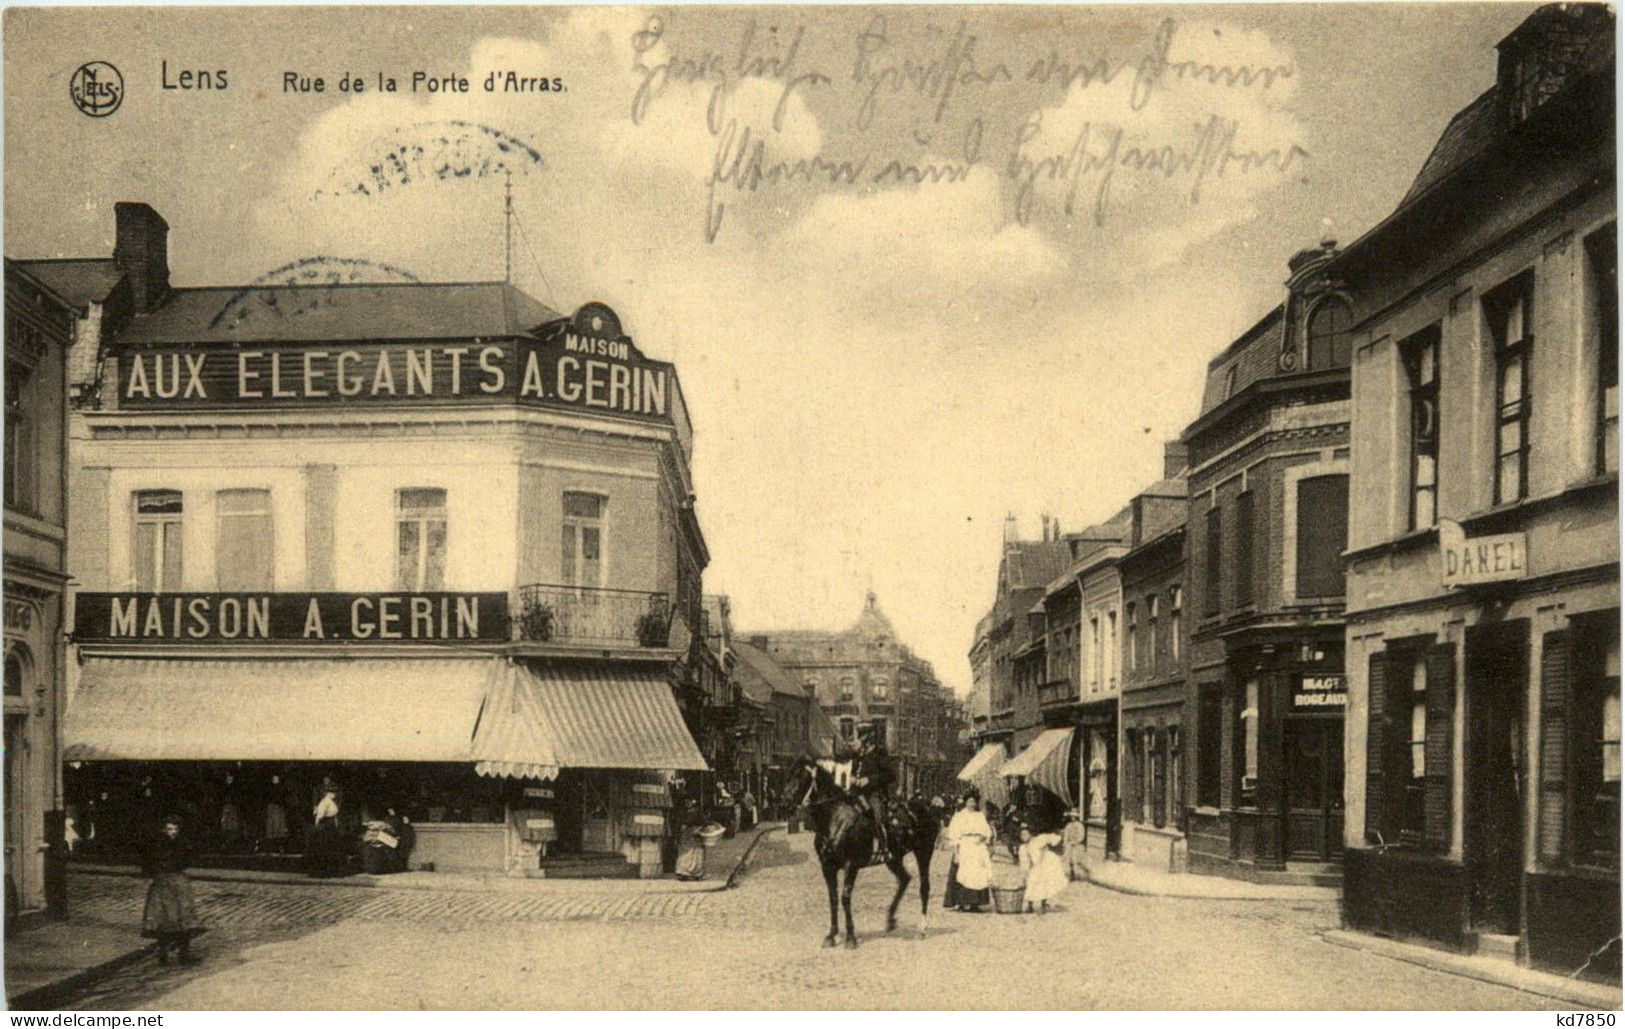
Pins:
x: 1507, y: 313
x: 1244, y: 548
x: 21, y: 451
x: 1209, y: 741
x: 1097, y: 773
x: 157, y: 554
x: 1421, y: 355
x: 1176, y: 598
x: 1411, y: 690
x: 1323, y: 518
x: 1596, y: 741
x: 583, y: 558
x: 243, y: 547
x: 1215, y: 563
x: 1329, y: 334
x: 1602, y: 262
x: 1247, y: 728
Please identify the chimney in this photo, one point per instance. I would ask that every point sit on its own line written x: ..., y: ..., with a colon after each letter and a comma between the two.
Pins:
x: 141, y: 251
x: 1175, y: 459
x: 1009, y: 528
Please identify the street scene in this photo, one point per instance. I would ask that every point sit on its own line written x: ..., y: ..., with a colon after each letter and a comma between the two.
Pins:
x: 779, y: 508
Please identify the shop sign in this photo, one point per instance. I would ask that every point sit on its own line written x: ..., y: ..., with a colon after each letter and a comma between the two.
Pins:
x: 1320, y: 691
x: 583, y: 362
x: 1468, y: 562
x: 436, y: 617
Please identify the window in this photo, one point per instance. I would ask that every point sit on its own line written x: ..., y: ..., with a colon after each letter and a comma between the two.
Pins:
x: 1097, y: 774
x: 1244, y: 549
x: 1421, y: 356
x: 849, y: 729
x: 1151, y: 632
x: 1209, y: 740
x: 16, y: 672
x: 1230, y: 382
x: 1094, y: 652
x: 1132, y: 784
x: 420, y: 539
x: 1596, y: 735
x: 157, y: 555
x: 243, y: 551
x: 1133, y: 641
x: 1176, y: 597
x: 583, y: 539
x: 1415, y: 786
x: 1411, y: 686
x: 1603, y: 262
x: 880, y: 689
x: 1176, y: 778
x: 1148, y: 776
x: 1111, y: 656
x: 1247, y: 727
x: 1329, y: 334
x: 1507, y: 312
x: 848, y: 689
x: 1215, y: 563
x: 1323, y: 518
x: 20, y: 450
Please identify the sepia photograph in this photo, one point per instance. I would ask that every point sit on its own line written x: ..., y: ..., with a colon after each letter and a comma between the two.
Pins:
x: 716, y: 508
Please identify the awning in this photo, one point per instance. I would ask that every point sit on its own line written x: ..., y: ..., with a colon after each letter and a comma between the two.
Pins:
x: 982, y: 771
x: 1044, y: 762
x: 295, y: 709
x: 582, y: 715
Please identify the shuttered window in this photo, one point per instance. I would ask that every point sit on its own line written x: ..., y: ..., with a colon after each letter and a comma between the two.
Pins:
x: 1441, y: 711
x: 1409, y: 745
x: 243, y: 543
x: 1594, y: 740
x: 1376, y: 749
x: 1322, y: 526
x: 1215, y: 563
x: 1132, y: 775
x: 1209, y: 740
x: 1554, y: 747
x: 1159, y: 782
x: 1243, y: 570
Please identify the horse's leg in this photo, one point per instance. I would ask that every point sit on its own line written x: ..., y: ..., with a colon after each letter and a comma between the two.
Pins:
x: 834, y: 911
x: 898, y: 869
x: 922, y: 857
x: 847, y: 883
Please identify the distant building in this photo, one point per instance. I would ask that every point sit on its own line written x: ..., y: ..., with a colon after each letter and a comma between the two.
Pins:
x: 858, y: 675
x: 796, y: 726
x: 1483, y: 759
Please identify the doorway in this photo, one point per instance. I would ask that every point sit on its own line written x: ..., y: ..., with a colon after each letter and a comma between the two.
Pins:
x: 1496, y: 774
x: 16, y: 772
x: 1314, y: 788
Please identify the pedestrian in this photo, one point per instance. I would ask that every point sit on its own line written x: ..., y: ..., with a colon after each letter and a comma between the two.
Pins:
x: 325, y: 852
x: 748, y: 800
x: 1010, y: 835
x: 971, y: 873
x: 1045, y: 875
x: 170, y: 916
x: 1072, y: 841
x: 690, y: 845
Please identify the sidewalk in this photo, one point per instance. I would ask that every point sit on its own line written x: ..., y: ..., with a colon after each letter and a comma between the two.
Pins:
x: 1127, y: 877
x: 1485, y: 969
x: 46, y: 965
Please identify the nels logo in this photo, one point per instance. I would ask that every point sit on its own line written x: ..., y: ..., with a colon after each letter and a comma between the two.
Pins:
x: 97, y: 88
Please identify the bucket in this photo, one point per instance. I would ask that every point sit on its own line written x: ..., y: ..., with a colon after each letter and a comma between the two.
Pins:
x: 1009, y: 902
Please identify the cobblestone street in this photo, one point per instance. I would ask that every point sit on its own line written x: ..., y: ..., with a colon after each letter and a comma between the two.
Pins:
x: 281, y: 946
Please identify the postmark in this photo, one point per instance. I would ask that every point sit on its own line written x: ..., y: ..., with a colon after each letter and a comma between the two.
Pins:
x: 429, y: 153
x: 302, y: 286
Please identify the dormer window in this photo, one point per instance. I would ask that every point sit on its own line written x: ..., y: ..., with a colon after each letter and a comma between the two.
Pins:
x: 1329, y: 334
x: 1545, y: 53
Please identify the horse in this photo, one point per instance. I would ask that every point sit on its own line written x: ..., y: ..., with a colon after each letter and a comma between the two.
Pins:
x: 844, y: 838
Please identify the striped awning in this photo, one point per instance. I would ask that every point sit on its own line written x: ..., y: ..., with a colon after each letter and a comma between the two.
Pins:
x: 582, y: 715
x: 293, y: 709
x: 1044, y: 762
x: 982, y: 771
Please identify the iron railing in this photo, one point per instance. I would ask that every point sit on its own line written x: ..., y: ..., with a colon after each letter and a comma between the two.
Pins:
x: 592, y: 615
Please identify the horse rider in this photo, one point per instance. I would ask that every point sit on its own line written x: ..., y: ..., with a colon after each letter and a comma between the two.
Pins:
x: 872, y: 777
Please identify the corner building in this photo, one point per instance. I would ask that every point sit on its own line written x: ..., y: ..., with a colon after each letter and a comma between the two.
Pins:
x: 1483, y: 566
x: 431, y: 541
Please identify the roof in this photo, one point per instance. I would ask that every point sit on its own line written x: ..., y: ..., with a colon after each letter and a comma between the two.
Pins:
x: 1035, y: 563
x: 79, y: 281
x: 347, y: 311
x: 1254, y: 355
x: 757, y: 665
x: 872, y: 621
x: 1472, y: 131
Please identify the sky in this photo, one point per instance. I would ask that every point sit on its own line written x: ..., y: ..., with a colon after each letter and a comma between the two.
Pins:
x: 918, y: 268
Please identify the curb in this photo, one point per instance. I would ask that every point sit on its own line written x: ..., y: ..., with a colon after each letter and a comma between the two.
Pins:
x: 358, y: 881
x: 744, y: 859
x: 43, y: 998
x: 1525, y: 980
x: 1134, y: 891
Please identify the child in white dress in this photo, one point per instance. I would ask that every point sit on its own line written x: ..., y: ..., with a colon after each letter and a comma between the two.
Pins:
x: 1046, y: 876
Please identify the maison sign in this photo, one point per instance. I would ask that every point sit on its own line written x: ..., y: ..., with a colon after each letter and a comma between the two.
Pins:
x: 291, y: 617
x: 1481, y: 559
x: 583, y: 362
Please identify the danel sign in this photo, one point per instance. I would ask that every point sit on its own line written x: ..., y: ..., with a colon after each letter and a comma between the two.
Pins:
x: 290, y: 617
x: 1481, y: 559
x: 583, y: 362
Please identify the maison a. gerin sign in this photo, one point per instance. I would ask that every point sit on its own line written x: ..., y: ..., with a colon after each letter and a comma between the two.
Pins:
x: 584, y: 362
x: 437, y: 617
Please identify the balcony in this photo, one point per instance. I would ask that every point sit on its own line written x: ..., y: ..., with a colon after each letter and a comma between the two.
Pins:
x: 1057, y: 692
x: 590, y: 616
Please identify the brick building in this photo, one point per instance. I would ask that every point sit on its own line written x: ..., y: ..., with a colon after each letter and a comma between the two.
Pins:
x: 1483, y: 566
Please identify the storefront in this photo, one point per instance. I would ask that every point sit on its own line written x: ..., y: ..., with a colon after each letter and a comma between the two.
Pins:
x: 1045, y: 774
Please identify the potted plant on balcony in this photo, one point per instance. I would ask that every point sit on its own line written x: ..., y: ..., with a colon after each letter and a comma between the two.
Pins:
x: 652, y: 629
x: 536, y: 622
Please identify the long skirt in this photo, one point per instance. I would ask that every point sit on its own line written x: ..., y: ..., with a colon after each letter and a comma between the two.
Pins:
x: 170, y: 910
x: 325, y: 852
x: 955, y: 895
x: 691, y: 858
